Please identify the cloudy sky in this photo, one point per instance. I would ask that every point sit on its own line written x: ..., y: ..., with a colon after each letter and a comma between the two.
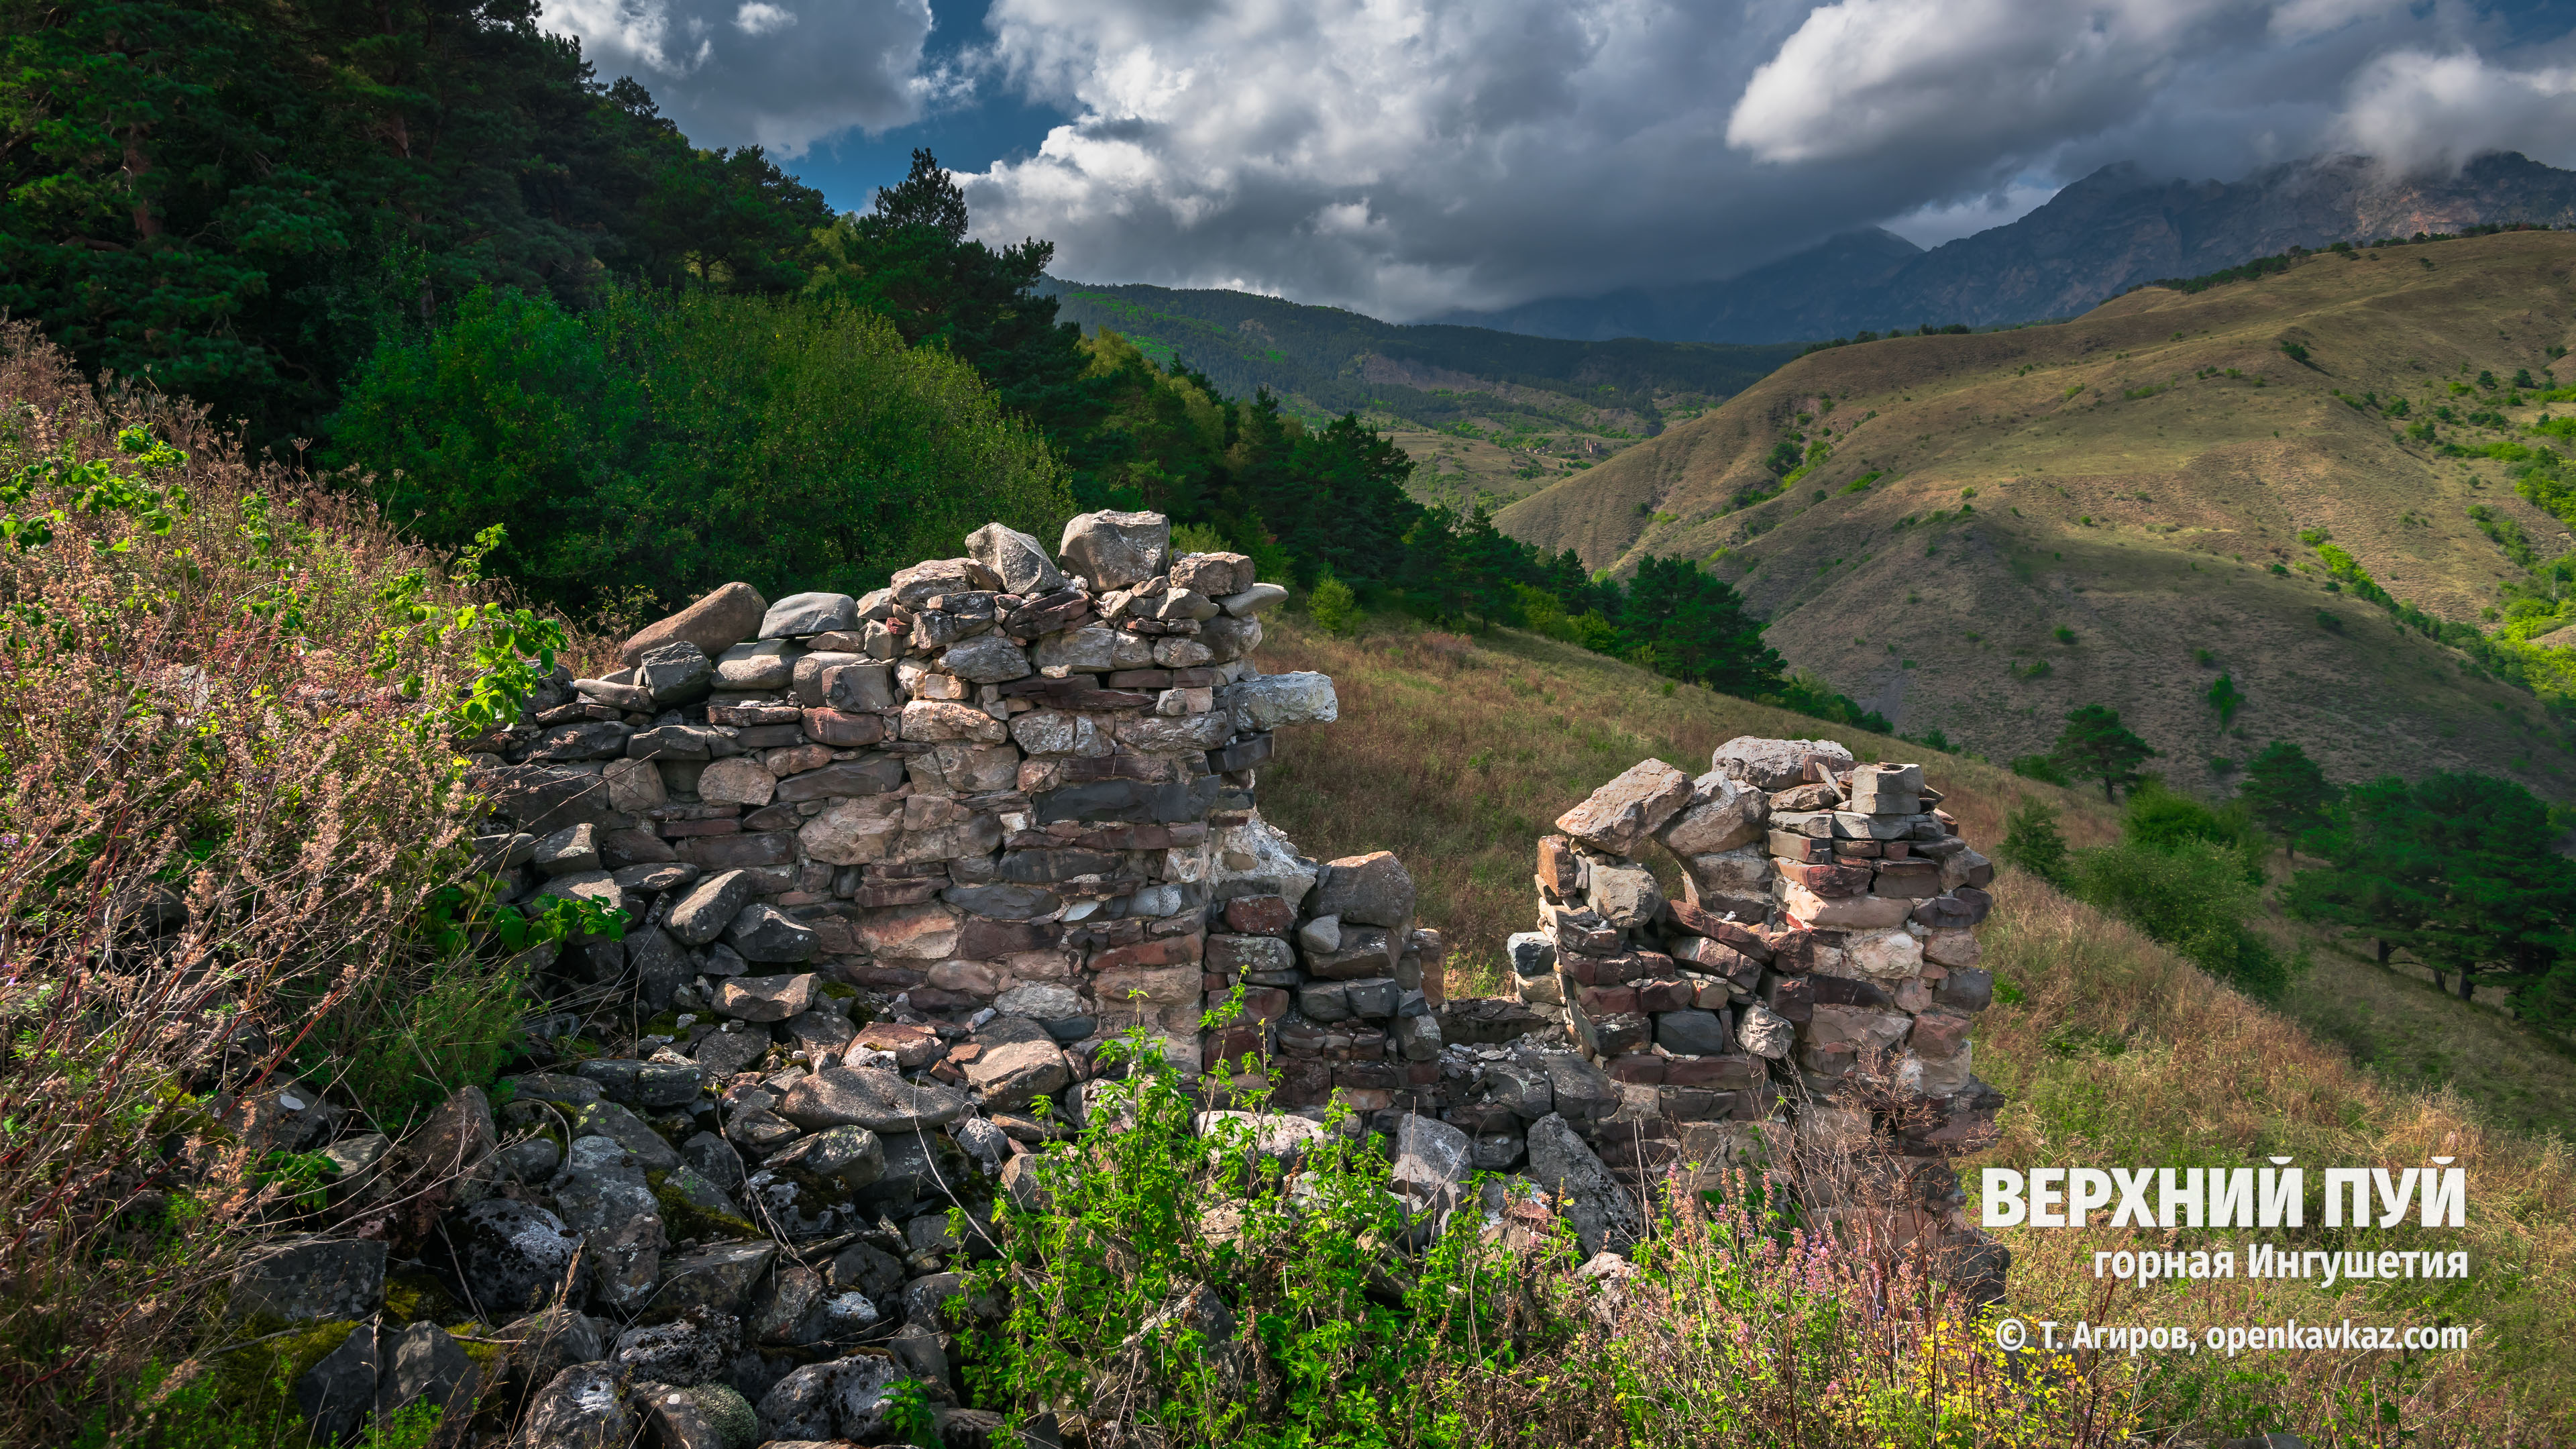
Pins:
x: 1407, y: 157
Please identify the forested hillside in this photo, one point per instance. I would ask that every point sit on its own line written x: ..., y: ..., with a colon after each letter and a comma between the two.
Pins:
x: 1339, y: 361
x: 236, y: 200
x: 421, y: 245
x: 1488, y: 417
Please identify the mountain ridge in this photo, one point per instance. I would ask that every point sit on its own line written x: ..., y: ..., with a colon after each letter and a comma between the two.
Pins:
x: 2112, y: 230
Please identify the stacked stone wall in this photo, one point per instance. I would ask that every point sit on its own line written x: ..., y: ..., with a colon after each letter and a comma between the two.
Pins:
x: 898, y: 867
x: 997, y: 789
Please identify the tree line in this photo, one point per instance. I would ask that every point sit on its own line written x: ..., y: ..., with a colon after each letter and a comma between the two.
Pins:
x: 2459, y: 869
x: 423, y: 236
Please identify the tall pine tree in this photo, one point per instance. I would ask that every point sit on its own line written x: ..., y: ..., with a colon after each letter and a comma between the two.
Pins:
x: 2096, y: 746
x: 2287, y: 792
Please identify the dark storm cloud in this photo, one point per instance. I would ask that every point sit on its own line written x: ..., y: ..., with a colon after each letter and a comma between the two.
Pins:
x: 1408, y: 156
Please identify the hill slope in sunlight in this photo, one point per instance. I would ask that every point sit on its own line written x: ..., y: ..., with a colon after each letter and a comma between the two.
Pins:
x: 1988, y: 530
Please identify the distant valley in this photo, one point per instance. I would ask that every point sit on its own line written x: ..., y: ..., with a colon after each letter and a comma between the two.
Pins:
x: 1490, y: 416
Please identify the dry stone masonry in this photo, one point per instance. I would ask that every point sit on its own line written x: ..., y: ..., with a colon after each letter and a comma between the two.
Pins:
x: 898, y: 867
x: 1819, y: 964
x: 993, y: 798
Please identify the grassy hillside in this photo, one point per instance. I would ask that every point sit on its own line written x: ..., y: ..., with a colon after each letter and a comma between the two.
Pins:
x: 1457, y: 752
x: 1987, y: 530
x: 1491, y: 416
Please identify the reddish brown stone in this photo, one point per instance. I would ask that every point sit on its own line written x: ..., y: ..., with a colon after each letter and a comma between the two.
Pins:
x: 1714, y: 956
x: 1793, y: 997
x: 1232, y: 1045
x: 1557, y: 868
x: 1637, y: 1067
x: 1735, y: 1072
x: 1167, y: 951
x: 878, y: 894
x: 1938, y: 1034
x: 1260, y: 916
x: 1829, y: 880
x: 1265, y: 1003
x: 1665, y: 994
x: 1600, y: 1001
x: 840, y: 727
x: 1796, y: 952
x: 1907, y: 879
x: 979, y: 939
x: 1704, y: 923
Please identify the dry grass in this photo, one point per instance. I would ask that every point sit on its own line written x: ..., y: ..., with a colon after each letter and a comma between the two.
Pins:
x: 218, y: 824
x: 1459, y: 759
x: 2176, y: 1069
x: 2411, y: 1034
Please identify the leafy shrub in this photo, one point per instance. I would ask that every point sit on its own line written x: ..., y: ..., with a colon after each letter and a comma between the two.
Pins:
x: 1183, y: 1289
x: 2162, y: 819
x: 681, y: 440
x: 1199, y: 538
x: 2043, y: 768
x: 261, y: 842
x: 2033, y: 842
x: 401, y: 1046
x: 2192, y: 897
x: 1334, y: 608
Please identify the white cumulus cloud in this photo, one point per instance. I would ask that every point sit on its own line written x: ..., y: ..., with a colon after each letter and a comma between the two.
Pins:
x: 1409, y: 157
x: 757, y: 19
x: 2417, y: 111
x: 738, y: 72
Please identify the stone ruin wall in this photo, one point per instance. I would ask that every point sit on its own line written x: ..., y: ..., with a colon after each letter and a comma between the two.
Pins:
x: 899, y: 866
x: 995, y: 792
x: 1002, y: 810
x: 1819, y: 967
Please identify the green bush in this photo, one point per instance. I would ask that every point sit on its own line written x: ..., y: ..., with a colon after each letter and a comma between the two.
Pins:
x: 2043, y: 768
x: 2033, y: 842
x: 2192, y: 897
x: 1199, y: 538
x: 404, y: 1042
x: 2161, y: 819
x: 1187, y: 1290
x: 1334, y: 608
x: 682, y: 440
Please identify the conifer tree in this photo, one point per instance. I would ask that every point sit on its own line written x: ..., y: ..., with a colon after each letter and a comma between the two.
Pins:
x: 2287, y: 792
x: 2096, y: 746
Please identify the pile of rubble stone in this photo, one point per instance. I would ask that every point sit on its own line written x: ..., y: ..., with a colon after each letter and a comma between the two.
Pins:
x: 898, y: 867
